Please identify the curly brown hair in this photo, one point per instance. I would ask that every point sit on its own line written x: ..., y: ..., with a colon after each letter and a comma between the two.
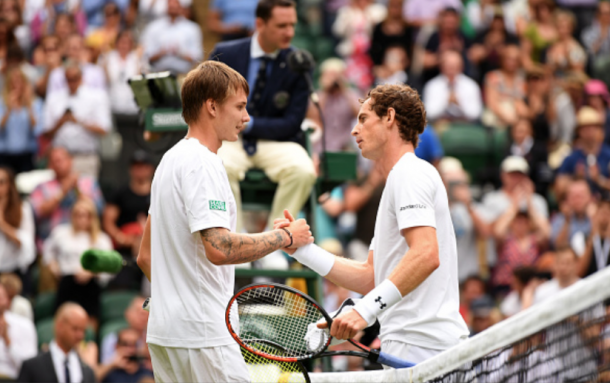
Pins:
x: 410, y: 111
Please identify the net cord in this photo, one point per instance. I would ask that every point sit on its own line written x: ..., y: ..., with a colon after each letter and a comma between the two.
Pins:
x: 570, y: 301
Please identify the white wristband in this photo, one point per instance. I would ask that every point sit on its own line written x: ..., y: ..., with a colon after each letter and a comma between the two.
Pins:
x: 379, y: 300
x: 316, y: 258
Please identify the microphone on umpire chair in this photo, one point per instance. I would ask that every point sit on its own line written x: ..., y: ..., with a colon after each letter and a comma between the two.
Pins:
x: 301, y: 61
x: 102, y: 261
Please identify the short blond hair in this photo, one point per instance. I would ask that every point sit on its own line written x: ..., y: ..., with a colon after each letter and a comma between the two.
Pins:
x: 210, y: 80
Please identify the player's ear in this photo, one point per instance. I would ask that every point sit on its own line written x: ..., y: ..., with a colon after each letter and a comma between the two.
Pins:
x: 391, y: 116
x: 211, y: 106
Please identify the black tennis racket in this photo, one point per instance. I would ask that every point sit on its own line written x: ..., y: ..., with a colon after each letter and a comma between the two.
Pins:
x: 281, y: 315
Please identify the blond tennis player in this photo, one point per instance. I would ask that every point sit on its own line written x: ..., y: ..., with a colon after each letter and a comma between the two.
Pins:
x: 409, y: 281
x: 189, y: 244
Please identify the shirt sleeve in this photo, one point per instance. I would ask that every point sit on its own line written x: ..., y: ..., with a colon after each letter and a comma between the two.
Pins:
x: 50, y: 251
x: 24, y: 342
x: 414, y: 196
x: 470, y: 100
x: 205, y: 202
x: 39, y: 115
x: 556, y: 225
x: 103, y: 118
x: 436, y: 99
x: 25, y: 233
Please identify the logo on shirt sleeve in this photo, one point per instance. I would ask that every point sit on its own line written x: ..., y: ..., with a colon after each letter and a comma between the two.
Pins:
x: 416, y: 206
x: 218, y: 205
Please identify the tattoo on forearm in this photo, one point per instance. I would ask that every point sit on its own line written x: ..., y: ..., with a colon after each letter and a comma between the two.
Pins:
x: 242, y: 248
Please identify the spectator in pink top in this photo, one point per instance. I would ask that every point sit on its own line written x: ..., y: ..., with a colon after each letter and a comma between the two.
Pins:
x: 44, y: 21
x: 521, y: 237
x: 53, y: 200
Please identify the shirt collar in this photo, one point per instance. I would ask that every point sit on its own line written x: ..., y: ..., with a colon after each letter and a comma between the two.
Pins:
x: 257, y: 52
x: 58, y: 352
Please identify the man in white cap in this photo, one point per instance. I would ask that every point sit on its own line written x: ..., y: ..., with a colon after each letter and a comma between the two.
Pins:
x: 516, y: 184
x: 590, y: 158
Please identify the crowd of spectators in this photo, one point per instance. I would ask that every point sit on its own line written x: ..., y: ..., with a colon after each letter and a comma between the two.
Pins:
x: 534, y: 74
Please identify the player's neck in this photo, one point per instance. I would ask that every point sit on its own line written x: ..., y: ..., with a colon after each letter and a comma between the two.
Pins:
x: 206, y: 136
x: 393, y: 153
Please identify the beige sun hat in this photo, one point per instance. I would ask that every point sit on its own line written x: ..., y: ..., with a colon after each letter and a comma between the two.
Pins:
x: 587, y: 116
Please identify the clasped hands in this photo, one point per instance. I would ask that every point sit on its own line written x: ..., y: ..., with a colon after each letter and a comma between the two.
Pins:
x: 300, y: 230
x: 345, y: 325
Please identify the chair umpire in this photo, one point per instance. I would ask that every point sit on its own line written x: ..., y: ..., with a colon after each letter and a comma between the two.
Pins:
x: 277, y: 105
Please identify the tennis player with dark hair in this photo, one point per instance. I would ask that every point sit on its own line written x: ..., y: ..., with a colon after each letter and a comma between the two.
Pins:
x: 189, y: 244
x: 410, y: 280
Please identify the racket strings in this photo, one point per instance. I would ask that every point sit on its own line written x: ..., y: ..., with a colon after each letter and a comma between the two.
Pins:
x: 266, y: 370
x: 279, y: 316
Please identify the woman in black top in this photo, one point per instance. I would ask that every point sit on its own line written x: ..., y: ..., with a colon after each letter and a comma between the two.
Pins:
x: 393, y: 31
x: 487, y: 45
x: 540, y: 107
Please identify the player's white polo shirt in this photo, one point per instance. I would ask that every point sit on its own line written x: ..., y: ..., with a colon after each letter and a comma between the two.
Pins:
x: 190, y: 192
x: 414, y: 195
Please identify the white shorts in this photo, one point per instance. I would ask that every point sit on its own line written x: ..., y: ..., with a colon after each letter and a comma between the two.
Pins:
x: 213, y: 364
x: 408, y: 352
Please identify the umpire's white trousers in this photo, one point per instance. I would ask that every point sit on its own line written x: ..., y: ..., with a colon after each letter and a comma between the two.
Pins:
x: 206, y: 365
x: 286, y: 163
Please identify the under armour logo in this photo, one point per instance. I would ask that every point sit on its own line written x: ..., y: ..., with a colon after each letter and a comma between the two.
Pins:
x: 381, y: 304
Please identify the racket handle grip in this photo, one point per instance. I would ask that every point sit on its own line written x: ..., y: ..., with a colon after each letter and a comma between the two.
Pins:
x: 392, y: 361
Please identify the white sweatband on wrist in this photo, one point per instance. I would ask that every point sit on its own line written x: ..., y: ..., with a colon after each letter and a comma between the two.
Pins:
x: 316, y: 258
x: 379, y: 300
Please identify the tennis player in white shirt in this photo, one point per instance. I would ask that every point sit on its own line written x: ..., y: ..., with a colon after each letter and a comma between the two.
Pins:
x: 410, y: 280
x: 189, y: 244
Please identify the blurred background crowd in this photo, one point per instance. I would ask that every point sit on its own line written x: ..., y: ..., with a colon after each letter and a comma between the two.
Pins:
x: 516, y: 93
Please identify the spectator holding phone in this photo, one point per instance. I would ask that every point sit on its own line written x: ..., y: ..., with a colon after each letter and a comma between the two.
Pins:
x: 339, y: 105
x: 128, y: 363
x: 76, y: 119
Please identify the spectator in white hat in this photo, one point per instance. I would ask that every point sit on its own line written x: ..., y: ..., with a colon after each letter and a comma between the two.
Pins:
x: 516, y: 187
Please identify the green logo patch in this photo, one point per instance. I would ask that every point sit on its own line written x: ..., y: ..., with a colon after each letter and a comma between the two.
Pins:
x: 218, y: 205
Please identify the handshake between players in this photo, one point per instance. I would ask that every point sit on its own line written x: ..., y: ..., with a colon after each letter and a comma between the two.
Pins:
x: 347, y: 324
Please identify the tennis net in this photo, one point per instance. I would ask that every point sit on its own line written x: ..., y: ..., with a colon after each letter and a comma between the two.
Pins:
x: 563, y: 339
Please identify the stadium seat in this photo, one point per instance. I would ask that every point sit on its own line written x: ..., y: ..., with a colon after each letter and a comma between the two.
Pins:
x: 500, y: 146
x: 112, y: 326
x: 471, y: 144
x: 257, y: 191
x: 113, y: 304
x: 45, y: 331
x: 44, y: 306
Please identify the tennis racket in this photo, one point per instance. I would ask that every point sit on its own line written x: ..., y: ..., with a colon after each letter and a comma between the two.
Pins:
x: 265, y: 370
x: 281, y: 315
